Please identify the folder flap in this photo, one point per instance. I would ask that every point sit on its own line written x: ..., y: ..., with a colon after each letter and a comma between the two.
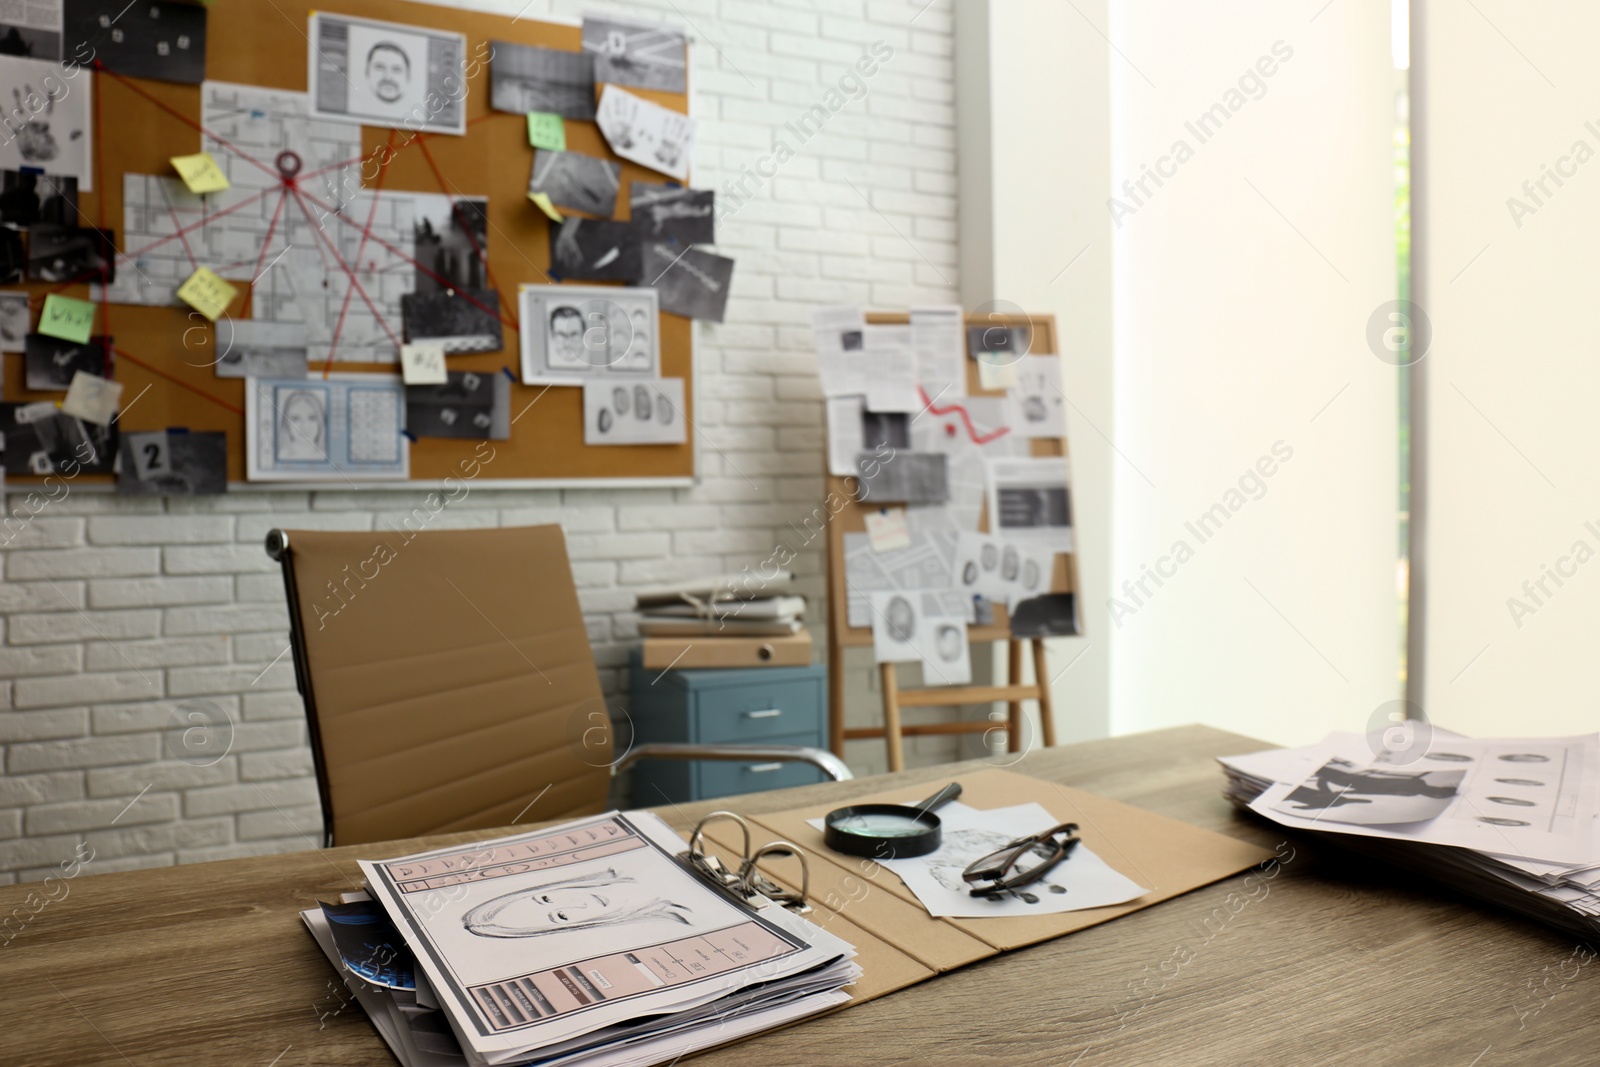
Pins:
x: 844, y: 884
x: 884, y: 968
x: 1166, y: 856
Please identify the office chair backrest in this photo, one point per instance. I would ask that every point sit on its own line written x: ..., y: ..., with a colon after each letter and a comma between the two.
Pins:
x: 447, y: 678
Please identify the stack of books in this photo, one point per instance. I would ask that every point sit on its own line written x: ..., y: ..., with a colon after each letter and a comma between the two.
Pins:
x: 591, y: 943
x: 730, y: 621
x: 1514, y: 822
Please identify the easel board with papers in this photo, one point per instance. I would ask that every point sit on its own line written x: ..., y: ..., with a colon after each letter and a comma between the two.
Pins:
x: 849, y: 516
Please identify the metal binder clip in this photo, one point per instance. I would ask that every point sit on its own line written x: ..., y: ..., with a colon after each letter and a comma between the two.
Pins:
x: 748, y: 882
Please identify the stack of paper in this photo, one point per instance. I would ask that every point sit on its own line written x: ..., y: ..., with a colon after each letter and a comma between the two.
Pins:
x: 732, y: 606
x: 1513, y: 821
x: 588, y: 943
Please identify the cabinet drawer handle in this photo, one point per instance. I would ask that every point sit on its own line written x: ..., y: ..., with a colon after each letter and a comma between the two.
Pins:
x: 763, y: 768
x: 768, y: 713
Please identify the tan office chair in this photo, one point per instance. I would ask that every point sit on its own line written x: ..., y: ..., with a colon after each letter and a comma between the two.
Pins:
x: 449, y: 685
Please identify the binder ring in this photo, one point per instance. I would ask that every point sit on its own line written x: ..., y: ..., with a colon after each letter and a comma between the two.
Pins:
x: 710, y: 866
x: 756, y: 882
x: 747, y: 881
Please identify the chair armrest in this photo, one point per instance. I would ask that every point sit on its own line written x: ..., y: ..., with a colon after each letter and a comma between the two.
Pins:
x: 826, y: 762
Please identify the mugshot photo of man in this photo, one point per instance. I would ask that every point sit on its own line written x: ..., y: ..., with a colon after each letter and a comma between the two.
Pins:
x: 566, y: 345
x: 387, y: 72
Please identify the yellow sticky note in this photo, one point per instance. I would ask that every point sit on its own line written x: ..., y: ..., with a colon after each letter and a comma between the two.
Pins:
x: 66, y: 318
x: 207, y: 293
x: 200, y: 173
x: 547, y: 130
x: 543, y: 200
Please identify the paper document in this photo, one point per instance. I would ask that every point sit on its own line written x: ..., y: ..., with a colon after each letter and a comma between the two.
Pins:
x: 1035, y: 404
x: 927, y: 627
x: 646, y: 133
x: 941, y: 358
x: 1083, y: 880
x: 1029, y: 501
x: 839, y: 333
x: 1532, y: 798
x: 1001, y: 570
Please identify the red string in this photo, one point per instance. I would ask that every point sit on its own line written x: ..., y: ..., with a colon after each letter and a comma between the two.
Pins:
x: 177, y: 381
x: 194, y: 264
x: 372, y: 216
x: 246, y: 202
x: 266, y: 243
x: 972, y: 431
x: 455, y: 210
x: 304, y: 196
x: 348, y: 272
x: 187, y: 121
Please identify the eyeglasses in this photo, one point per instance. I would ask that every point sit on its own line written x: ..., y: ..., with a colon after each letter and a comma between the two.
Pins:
x: 998, y: 871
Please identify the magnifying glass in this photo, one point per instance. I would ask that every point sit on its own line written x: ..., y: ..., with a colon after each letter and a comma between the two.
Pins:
x: 888, y: 831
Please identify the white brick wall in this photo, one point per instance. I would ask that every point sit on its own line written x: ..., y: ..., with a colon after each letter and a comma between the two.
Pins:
x: 119, y: 612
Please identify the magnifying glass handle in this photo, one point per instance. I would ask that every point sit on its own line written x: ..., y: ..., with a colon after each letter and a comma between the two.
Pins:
x: 942, y: 797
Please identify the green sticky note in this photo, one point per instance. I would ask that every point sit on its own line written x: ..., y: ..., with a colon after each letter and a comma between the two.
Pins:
x: 547, y: 130
x: 66, y: 318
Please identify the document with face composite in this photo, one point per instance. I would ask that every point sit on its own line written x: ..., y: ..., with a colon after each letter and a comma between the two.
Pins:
x: 554, y: 939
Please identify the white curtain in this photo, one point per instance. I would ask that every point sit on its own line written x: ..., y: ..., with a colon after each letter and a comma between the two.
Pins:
x: 1508, y: 111
x: 1253, y: 574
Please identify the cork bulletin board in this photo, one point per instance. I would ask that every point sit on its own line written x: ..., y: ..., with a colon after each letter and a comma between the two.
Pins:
x: 161, y: 354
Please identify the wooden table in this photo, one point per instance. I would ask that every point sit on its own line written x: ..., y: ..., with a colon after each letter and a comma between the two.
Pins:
x: 209, y: 964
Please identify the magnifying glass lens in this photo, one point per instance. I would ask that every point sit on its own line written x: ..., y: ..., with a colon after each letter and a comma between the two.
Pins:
x: 881, y: 826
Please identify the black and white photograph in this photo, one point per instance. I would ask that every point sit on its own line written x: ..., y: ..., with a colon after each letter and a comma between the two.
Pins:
x: 71, y: 254
x: 27, y: 197
x: 1046, y: 615
x: 1013, y: 340
x: 13, y: 257
x: 904, y: 478
x: 575, y: 181
x: 647, y: 133
x: 452, y: 241
x: 31, y: 29
x: 595, y: 250
x: 14, y: 317
x: 882, y: 430
x: 692, y: 283
x: 39, y: 439
x: 573, y: 333
x: 173, y: 463
x: 383, y: 74
x: 464, y: 321
x: 52, y: 361
x: 1030, y: 501
x: 1340, y: 791
x: 853, y: 430
x: 524, y: 78
x: 638, y: 413
x: 636, y: 54
x: 144, y: 39
x: 673, y: 213
x: 250, y: 348
x: 472, y: 404
x: 49, y: 118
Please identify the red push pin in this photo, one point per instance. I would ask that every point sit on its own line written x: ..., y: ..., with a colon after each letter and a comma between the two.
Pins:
x: 288, y: 164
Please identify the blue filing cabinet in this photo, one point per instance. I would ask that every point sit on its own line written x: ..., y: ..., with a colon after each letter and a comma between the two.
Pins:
x: 751, y: 706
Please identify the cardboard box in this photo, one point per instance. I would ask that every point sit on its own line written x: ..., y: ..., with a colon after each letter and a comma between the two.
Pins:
x: 683, y: 653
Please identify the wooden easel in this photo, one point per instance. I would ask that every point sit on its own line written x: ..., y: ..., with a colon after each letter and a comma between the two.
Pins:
x: 851, y: 518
